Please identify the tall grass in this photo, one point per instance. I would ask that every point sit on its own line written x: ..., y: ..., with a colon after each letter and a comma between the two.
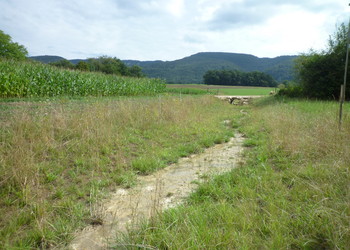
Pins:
x: 58, y: 157
x: 30, y: 79
x: 292, y: 193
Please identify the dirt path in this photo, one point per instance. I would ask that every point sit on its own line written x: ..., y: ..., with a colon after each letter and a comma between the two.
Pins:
x: 163, y: 189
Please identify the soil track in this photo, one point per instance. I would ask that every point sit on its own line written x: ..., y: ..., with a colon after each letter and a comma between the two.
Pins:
x: 163, y: 189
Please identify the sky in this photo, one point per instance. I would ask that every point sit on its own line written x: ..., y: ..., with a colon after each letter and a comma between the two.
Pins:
x: 170, y: 29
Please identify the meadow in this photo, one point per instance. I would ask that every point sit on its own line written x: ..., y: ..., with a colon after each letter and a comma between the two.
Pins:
x: 218, y: 89
x: 69, y: 138
x: 59, y: 157
x: 292, y: 192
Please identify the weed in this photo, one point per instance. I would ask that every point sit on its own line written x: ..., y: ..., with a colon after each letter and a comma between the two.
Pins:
x: 125, y: 179
x: 250, y: 143
x: 146, y: 165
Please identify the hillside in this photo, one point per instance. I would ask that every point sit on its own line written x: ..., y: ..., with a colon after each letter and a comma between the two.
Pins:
x: 46, y: 58
x: 191, y: 69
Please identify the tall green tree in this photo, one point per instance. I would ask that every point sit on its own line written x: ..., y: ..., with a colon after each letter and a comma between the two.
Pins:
x: 10, y: 49
x: 135, y: 71
x: 108, y: 65
x: 82, y: 66
x: 63, y: 64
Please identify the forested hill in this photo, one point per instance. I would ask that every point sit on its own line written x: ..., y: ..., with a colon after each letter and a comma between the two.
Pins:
x: 46, y: 58
x: 191, y: 69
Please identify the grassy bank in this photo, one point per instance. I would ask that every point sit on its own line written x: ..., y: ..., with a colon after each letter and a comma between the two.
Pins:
x: 58, y: 157
x: 292, y: 192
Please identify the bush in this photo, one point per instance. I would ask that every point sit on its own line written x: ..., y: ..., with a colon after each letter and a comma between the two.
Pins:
x: 291, y: 90
x: 321, y: 73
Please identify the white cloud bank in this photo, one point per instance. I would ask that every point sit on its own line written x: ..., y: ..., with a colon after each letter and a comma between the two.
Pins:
x: 170, y: 29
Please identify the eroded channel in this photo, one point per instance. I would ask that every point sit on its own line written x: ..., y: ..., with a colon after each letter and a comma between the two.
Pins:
x: 165, y: 188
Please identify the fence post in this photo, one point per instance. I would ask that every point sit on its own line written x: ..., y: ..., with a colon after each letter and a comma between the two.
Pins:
x: 343, y: 86
x: 341, y: 100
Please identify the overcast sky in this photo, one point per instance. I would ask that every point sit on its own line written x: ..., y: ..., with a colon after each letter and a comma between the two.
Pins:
x: 170, y: 29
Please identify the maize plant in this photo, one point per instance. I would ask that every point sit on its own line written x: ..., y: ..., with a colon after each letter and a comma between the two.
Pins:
x: 32, y: 79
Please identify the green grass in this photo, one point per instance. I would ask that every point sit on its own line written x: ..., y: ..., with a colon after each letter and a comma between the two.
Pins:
x: 59, y: 156
x: 189, y: 91
x: 30, y: 79
x: 218, y: 89
x: 292, y: 192
x: 246, y: 91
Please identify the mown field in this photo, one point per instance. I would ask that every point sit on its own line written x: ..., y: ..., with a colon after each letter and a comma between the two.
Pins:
x: 218, y: 89
x: 291, y: 193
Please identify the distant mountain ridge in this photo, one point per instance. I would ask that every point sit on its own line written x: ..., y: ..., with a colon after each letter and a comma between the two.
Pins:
x: 191, y: 69
x: 47, y: 59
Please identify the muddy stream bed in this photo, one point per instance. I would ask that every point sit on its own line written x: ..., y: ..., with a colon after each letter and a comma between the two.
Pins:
x: 163, y: 189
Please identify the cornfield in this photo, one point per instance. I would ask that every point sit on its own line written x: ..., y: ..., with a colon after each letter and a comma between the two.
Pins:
x: 31, y: 79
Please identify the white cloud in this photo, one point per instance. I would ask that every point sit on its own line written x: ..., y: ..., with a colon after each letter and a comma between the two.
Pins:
x: 170, y: 29
x: 175, y: 7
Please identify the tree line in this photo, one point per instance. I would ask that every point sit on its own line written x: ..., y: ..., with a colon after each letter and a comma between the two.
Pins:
x: 108, y: 65
x: 238, y: 78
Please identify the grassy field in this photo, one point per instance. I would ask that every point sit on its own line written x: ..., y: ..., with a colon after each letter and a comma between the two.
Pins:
x: 292, y: 192
x: 59, y: 156
x: 218, y: 90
